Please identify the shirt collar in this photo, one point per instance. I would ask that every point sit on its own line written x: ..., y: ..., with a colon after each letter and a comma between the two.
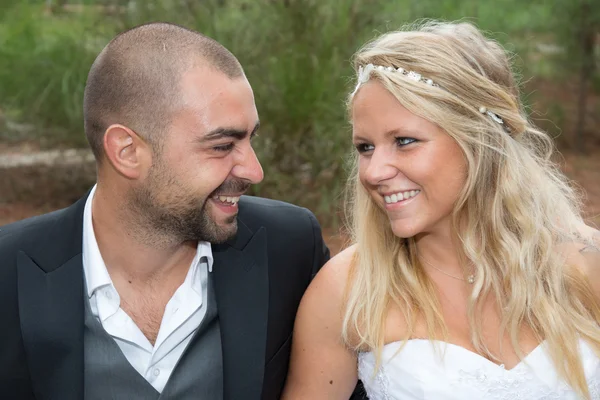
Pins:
x: 95, y: 272
x: 205, y: 250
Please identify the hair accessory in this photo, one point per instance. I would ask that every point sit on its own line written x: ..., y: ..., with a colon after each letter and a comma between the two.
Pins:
x: 493, y: 116
x: 364, y: 74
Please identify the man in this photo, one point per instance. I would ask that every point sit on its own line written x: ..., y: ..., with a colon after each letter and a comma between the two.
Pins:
x: 163, y: 282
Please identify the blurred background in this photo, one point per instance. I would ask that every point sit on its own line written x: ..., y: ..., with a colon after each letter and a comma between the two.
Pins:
x: 296, y: 54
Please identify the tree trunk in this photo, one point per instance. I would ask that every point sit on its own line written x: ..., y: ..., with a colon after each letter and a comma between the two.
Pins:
x: 587, y: 66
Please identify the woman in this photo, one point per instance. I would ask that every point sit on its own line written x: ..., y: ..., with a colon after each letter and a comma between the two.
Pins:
x: 472, y: 274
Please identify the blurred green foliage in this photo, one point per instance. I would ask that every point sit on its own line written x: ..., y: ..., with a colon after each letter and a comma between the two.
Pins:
x: 296, y: 54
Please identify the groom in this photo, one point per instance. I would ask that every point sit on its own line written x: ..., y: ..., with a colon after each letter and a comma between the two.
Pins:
x: 163, y: 282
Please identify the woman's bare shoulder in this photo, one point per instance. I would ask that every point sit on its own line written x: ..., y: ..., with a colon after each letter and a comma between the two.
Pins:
x: 333, y: 277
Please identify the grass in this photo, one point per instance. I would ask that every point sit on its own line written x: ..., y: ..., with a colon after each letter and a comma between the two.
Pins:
x: 43, y: 68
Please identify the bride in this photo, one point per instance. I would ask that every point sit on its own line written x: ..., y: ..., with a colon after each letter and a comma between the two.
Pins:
x: 472, y: 274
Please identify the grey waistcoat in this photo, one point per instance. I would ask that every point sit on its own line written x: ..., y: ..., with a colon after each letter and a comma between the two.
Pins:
x: 198, y: 375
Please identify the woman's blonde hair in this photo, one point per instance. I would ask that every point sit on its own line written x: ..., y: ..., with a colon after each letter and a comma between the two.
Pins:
x: 514, y: 210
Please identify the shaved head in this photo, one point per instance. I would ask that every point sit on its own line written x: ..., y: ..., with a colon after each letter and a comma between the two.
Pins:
x: 136, y: 80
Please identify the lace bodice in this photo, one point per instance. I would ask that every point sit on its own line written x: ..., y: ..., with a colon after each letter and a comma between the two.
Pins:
x: 418, y: 372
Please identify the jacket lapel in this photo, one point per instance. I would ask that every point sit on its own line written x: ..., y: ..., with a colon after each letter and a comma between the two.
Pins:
x: 50, y: 292
x: 242, y: 290
x: 51, y: 310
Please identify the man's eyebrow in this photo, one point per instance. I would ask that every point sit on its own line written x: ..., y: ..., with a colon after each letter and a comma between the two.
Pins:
x: 234, y: 133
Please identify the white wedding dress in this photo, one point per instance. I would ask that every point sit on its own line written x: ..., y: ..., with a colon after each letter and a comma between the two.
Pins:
x: 418, y: 372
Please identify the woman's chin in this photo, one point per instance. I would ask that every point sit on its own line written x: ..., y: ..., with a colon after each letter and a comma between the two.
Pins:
x: 403, y: 231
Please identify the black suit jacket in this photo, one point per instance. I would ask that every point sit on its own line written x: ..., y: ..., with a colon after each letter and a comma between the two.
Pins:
x: 260, y: 277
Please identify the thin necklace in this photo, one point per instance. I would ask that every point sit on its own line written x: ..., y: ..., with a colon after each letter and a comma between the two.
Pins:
x: 470, y: 278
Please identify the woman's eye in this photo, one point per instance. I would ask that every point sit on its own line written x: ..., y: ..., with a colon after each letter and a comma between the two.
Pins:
x: 364, y: 147
x: 224, y: 148
x: 403, y: 141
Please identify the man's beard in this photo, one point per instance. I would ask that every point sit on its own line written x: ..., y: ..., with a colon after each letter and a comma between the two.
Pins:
x: 168, y: 210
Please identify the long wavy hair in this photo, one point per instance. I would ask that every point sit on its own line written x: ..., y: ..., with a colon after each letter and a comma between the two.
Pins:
x: 514, y: 211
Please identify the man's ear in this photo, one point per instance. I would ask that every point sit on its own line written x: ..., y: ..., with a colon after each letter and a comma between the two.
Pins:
x: 128, y: 154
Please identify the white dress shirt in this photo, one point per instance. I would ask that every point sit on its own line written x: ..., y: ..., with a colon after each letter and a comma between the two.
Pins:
x: 183, y: 314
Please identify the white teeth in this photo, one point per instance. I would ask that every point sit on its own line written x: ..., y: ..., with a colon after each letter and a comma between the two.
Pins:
x: 394, y: 198
x: 228, y: 199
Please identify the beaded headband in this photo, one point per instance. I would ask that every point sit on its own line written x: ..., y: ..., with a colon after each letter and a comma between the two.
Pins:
x: 364, y: 74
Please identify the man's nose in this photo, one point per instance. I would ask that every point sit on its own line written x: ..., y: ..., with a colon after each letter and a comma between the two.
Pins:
x: 248, y: 167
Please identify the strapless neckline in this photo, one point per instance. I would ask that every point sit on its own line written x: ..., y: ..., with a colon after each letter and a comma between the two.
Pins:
x: 470, y: 353
x: 420, y: 372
